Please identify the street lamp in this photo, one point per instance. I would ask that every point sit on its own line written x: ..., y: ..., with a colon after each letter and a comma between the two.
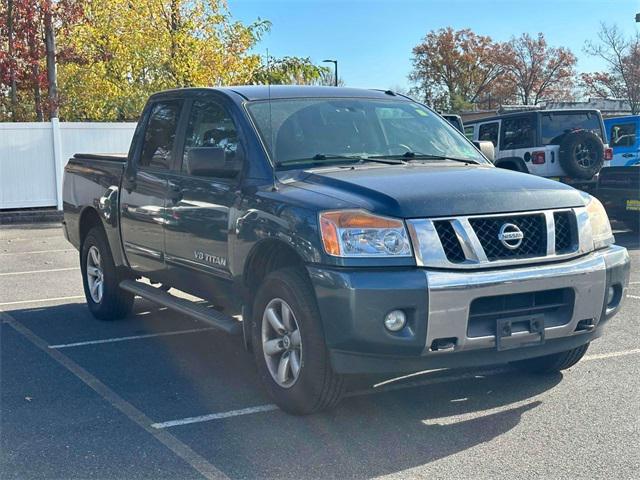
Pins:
x: 638, y: 17
x: 335, y: 71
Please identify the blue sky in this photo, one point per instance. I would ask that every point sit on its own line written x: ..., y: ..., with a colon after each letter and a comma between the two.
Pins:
x: 372, y: 39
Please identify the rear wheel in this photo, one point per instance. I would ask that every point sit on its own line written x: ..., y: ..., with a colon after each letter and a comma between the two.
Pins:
x: 553, y: 363
x: 105, y: 299
x: 289, y: 345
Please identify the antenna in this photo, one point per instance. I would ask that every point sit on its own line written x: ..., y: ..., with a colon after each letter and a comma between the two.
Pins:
x: 271, y: 140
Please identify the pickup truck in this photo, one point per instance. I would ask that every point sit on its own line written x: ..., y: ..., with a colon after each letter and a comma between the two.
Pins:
x: 352, y: 231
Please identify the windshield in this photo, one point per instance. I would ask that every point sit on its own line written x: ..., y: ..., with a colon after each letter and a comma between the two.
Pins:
x: 556, y: 125
x: 325, y: 130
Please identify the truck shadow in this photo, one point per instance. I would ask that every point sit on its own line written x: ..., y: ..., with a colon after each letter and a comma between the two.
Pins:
x: 180, y: 376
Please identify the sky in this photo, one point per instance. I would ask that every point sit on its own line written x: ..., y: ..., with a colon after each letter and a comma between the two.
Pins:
x: 372, y: 39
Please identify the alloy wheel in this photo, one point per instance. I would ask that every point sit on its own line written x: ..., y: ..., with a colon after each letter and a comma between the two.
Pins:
x: 95, y: 274
x: 281, y: 343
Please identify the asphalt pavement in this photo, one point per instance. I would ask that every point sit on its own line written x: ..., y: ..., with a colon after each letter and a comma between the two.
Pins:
x: 158, y: 395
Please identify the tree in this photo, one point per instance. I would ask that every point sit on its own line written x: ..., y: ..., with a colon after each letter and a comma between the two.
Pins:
x: 453, y: 69
x: 25, y: 25
x: 291, y: 71
x: 622, y: 57
x: 123, y: 51
x: 536, y: 71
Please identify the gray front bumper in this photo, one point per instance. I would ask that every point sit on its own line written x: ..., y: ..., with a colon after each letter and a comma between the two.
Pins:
x: 353, y: 303
x: 451, y: 293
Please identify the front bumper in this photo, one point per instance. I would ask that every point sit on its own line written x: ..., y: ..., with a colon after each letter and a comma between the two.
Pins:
x: 353, y: 303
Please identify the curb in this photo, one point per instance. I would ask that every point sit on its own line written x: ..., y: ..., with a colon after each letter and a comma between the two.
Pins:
x: 12, y: 217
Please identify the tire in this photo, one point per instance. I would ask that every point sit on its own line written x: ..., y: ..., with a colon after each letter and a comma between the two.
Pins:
x: 552, y: 363
x: 316, y: 387
x: 113, y: 303
x: 581, y: 154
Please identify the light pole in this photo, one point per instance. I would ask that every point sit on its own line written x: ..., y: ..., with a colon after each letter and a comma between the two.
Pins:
x: 335, y: 71
x: 638, y: 17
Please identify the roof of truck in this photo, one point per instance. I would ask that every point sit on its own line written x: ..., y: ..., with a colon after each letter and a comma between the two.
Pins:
x: 264, y: 92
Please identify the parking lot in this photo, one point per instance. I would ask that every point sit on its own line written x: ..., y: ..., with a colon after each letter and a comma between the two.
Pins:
x: 159, y: 395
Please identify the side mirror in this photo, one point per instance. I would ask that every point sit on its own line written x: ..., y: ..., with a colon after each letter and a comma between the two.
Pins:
x: 487, y: 149
x: 213, y: 162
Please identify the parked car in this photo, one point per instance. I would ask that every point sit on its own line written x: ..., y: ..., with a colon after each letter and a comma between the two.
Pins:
x: 619, y: 191
x: 455, y: 120
x: 624, y: 140
x: 566, y: 145
x: 355, y: 231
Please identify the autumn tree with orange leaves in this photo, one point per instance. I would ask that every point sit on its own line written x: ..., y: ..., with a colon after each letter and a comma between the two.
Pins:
x: 454, y: 70
x: 621, y: 79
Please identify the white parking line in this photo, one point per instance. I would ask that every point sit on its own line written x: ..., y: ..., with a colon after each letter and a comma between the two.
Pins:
x: 40, y: 271
x: 42, y: 300
x: 216, y: 416
x: 36, y: 252
x: 635, y: 297
x: 132, y: 337
x: 387, y: 388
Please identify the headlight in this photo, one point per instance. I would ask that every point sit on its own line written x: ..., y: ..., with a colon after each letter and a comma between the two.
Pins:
x: 356, y: 233
x: 600, y: 226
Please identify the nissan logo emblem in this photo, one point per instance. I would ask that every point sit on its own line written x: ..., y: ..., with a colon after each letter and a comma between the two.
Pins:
x: 510, y: 235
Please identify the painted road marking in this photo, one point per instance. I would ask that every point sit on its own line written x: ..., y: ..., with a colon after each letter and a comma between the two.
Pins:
x: 182, y: 450
x: 216, y: 416
x: 386, y: 388
x: 635, y: 297
x: 37, y: 252
x: 41, y: 300
x: 132, y: 337
x: 40, y: 271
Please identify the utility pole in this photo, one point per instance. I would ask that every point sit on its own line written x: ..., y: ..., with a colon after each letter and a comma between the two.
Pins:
x: 335, y: 71
x: 50, y: 47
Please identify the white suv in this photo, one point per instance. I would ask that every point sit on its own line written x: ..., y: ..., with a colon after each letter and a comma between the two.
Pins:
x: 567, y: 145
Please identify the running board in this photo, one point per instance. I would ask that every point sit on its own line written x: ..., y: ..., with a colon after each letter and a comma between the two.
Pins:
x: 208, y: 315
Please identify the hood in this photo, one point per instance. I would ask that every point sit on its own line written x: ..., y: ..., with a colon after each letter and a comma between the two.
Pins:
x: 435, y: 190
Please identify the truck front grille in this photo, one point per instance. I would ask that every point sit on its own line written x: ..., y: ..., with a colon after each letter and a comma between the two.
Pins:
x: 534, y: 243
x: 555, y: 307
x: 489, y: 246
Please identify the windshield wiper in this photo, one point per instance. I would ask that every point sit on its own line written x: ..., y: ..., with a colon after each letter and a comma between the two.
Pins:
x: 426, y: 156
x: 321, y: 159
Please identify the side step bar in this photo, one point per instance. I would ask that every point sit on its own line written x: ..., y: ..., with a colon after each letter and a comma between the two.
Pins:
x: 208, y: 315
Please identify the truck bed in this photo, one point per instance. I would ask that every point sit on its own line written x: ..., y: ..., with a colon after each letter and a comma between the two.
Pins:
x: 107, y: 157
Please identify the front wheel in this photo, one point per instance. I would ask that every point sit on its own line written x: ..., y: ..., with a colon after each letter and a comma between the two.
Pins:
x: 553, y: 363
x: 106, y: 300
x: 289, y: 345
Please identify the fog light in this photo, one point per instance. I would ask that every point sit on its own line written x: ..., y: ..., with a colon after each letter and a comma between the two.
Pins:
x: 395, y: 320
x: 611, y: 294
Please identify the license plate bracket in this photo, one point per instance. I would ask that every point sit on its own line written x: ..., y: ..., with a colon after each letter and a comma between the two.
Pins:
x: 505, y: 327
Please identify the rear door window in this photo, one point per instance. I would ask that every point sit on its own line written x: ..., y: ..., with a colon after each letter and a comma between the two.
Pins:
x: 489, y: 132
x: 623, y: 135
x: 555, y: 126
x: 160, y: 135
x: 518, y: 132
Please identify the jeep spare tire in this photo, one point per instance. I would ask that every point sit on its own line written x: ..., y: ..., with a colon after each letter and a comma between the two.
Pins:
x: 581, y: 154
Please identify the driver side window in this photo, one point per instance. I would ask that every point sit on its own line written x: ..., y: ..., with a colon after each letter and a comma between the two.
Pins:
x: 210, y: 126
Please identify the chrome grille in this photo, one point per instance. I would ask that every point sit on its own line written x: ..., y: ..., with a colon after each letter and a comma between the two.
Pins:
x: 534, y: 243
x: 478, y: 241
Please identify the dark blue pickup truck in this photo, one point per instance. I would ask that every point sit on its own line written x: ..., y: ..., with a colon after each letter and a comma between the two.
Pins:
x: 353, y: 231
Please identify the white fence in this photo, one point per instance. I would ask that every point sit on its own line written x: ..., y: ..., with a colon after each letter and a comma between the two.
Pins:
x: 33, y: 156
